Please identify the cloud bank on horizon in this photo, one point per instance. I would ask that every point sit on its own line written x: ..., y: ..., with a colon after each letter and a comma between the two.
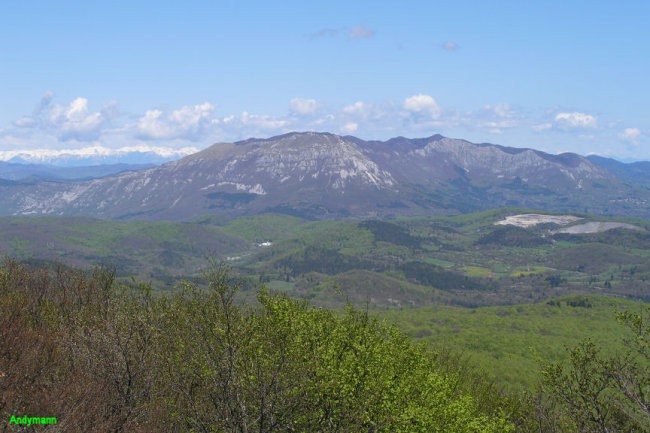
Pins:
x: 72, y: 128
x: 554, y: 76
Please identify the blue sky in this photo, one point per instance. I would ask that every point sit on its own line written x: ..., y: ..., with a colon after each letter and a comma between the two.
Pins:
x: 179, y: 76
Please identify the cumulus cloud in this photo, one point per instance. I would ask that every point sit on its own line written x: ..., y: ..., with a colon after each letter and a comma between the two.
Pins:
x: 190, y: 122
x: 72, y: 121
x: 375, y: 115
x: 423, y: 105
x: 75, y: 124
x: 359, y: 108
x: 450, y: 46
x: 575, y: 120
x: 360, y: 32
x: 631, y: 134
x: 151, y: 125
x: 303, y: 106
x: 350, y: 127
x: 74, y: 129
x: 75, y: 121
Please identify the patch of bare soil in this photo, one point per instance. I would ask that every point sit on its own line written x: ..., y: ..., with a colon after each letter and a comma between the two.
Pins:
x: 596, y: 227
x: 531, y: 219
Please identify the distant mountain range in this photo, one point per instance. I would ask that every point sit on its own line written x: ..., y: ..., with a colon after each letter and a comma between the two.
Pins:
x: 39, y: 172
x: 322, y: 175
x: 96, y: 155
x: 634, y: 172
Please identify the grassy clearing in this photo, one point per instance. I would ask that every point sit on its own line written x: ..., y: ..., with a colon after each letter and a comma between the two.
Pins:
x: 477, y: 271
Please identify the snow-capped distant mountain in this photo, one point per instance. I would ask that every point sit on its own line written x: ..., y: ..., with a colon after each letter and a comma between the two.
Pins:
x: 96, y: 155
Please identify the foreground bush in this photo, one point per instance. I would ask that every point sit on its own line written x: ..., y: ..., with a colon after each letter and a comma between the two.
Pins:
x: 102, y: 358
x: 605, y: 393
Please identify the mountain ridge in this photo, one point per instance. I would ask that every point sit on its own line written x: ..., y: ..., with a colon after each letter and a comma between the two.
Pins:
x: 324, y: 175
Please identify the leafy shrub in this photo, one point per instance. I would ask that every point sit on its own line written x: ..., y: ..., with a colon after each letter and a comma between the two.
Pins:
x: 599, y: 393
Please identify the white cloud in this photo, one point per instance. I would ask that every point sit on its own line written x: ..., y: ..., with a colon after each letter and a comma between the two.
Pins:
x: 631, y: 134
x: 303, y: 106
x: 422, y: 104
x: 350, y: 127
x: 360, y: 32
x: 191, y: 122
x: 191, y: 116
x: 25, y: 122
x: 74, y: 121
x: 325, y: 120
x: 74, y: 127
x: 379, y: 114
x: 263, y: 121
x: 151, y: 126
x: 575, y: 120
x: 359, y: 108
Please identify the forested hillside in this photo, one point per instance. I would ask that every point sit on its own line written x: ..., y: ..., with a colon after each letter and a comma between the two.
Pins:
x: 467, y: 260
x: 103, y: 357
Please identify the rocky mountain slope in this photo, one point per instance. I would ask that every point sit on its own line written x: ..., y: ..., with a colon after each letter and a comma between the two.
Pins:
x: 321, y: 175
x: 633, y: 172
